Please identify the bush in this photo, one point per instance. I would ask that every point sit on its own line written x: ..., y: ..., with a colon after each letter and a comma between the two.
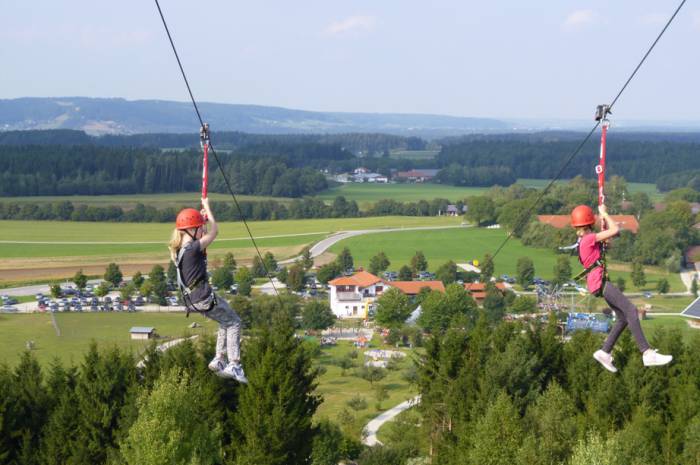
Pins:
x: 357, y: 403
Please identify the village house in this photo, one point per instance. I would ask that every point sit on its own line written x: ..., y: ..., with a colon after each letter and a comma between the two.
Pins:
x: 355, y: 296
x: 478, y: 290
x: 626, y: 222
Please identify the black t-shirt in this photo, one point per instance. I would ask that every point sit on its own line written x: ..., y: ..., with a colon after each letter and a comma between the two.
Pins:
x: 193, y: 268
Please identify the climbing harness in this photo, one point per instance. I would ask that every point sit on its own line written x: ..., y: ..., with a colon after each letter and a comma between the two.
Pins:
x: 188, y: 288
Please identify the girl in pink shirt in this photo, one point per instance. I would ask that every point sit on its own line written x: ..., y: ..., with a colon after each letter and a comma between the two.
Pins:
x: 589, y: 250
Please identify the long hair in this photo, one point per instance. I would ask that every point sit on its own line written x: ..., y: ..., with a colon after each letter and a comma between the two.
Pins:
x: 175, y: 243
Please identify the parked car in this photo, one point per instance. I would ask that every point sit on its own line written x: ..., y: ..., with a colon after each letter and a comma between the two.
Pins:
x: 8, y: 308
x: 10, y: 301
x: 233, y: 289
x: 139, y: 302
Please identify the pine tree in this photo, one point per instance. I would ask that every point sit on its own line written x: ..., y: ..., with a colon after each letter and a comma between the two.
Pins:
x: 638, y: 277
x: 30, y: 409
x: 277, y: 407
x: 173, y: 425
x: 245, y: 280
x: 554, y: 417
x: 80, y: 279
x: 345, y: 260
x: 593, y: 450
x: 525, y: 272
x: 101, y: 391
x: 497, y: 435
x: 113, y: 274
x: 306, y: 261
x: 138, y: 278
x: 562, y: 270
x: 230, y: 262
x: 405, y: 273
x: 60, y: 433
x: 379, y: 263
x: 258, y: 268
x: 296, y: 278
x: 487, y: 268
x: 418, y: 262
x: 694, y: 287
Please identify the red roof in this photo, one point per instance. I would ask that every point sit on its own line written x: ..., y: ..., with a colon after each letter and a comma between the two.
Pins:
x: 359, y: 279
x: 692, y: 252
x: 478, y: 290
x: 627, y: 222
x: 414, y: 287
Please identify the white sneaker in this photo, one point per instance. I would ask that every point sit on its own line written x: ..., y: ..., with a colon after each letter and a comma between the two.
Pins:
x: 234, y: 371
x: 217, y: 364
x: 605, y: 359
x: 653, y: 358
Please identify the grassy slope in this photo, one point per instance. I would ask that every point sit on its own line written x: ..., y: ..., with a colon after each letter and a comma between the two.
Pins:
x: 464, y: 244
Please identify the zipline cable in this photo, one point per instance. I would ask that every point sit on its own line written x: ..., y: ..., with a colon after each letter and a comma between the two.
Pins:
x: 213, y: 152
x: 588, y: 136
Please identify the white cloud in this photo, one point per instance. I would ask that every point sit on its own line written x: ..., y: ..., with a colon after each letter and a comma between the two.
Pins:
x: 578, y: 19
x: 351, y: 24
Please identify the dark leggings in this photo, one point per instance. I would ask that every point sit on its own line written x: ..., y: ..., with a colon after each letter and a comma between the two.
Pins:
x: 626, y: 314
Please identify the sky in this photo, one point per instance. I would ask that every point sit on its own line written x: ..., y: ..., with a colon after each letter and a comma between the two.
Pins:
x: 548, y: 59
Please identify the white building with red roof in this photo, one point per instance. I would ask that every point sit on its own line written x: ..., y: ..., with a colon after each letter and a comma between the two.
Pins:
x: 354, y: 296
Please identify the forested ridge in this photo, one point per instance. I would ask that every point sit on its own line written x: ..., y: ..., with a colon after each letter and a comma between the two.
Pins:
x: 70, y: 162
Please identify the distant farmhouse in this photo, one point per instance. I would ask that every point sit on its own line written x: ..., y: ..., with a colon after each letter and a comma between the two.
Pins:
x: 422, y: 175
x: 142, y: 332
x: 354, y: 296
x: 626, y: 222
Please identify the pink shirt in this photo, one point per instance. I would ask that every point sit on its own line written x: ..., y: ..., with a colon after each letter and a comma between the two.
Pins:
x: 588, y: 253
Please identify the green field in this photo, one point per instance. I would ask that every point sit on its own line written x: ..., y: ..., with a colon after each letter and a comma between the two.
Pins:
x: 160, y: 201
x: 368, y: 193
x: 144, y: 238
x: 679, y: 323
x: 464, y: 244
x: 79, y: 329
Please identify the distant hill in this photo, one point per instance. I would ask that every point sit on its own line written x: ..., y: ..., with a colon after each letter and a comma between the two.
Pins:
x: 98, y: 116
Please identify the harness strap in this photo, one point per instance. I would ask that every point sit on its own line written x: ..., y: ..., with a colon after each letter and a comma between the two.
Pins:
x: 186, y: 290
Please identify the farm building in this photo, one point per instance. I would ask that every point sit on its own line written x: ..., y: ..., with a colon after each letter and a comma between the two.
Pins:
x: 142, y: 332
x: 626, y: 222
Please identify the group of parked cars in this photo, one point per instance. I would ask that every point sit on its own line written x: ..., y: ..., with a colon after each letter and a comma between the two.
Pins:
x: 88, y: 303
x: 8, y: 303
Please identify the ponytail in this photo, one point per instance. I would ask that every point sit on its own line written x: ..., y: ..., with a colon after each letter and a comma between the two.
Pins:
x: 175, y: 243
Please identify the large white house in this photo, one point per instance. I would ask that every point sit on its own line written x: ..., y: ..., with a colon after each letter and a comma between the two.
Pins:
x: 354, y: 296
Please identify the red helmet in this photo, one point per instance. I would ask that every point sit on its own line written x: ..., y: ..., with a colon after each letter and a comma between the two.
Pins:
x: 189, y: 218
x: 582, y: 216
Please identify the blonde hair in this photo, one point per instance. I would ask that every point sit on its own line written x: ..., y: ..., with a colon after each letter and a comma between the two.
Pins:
x: 175, y: 243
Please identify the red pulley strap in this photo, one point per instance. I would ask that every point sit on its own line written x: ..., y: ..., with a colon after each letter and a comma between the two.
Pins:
x: 204, y: 142
x: 602, y: 115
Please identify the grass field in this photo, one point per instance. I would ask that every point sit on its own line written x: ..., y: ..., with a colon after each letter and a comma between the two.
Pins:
x: 465, y: 244
x: 679, y: 323
x: 142, y: 238
x: 79, y: 329
x: 367, y: 193
x: 160, y: 201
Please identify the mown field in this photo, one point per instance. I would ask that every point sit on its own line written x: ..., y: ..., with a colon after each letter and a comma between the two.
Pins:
x: 60, y: 239
x: 176, y: 200
x: 464, y: 244
x: 79, y: 329
x: 367, y: 193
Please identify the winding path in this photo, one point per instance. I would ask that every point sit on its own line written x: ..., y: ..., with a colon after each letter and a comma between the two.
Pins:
x: 370, y: 431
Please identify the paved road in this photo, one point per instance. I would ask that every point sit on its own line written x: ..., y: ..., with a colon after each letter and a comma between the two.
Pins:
x: 323, y: 245
x: 370, y: 431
